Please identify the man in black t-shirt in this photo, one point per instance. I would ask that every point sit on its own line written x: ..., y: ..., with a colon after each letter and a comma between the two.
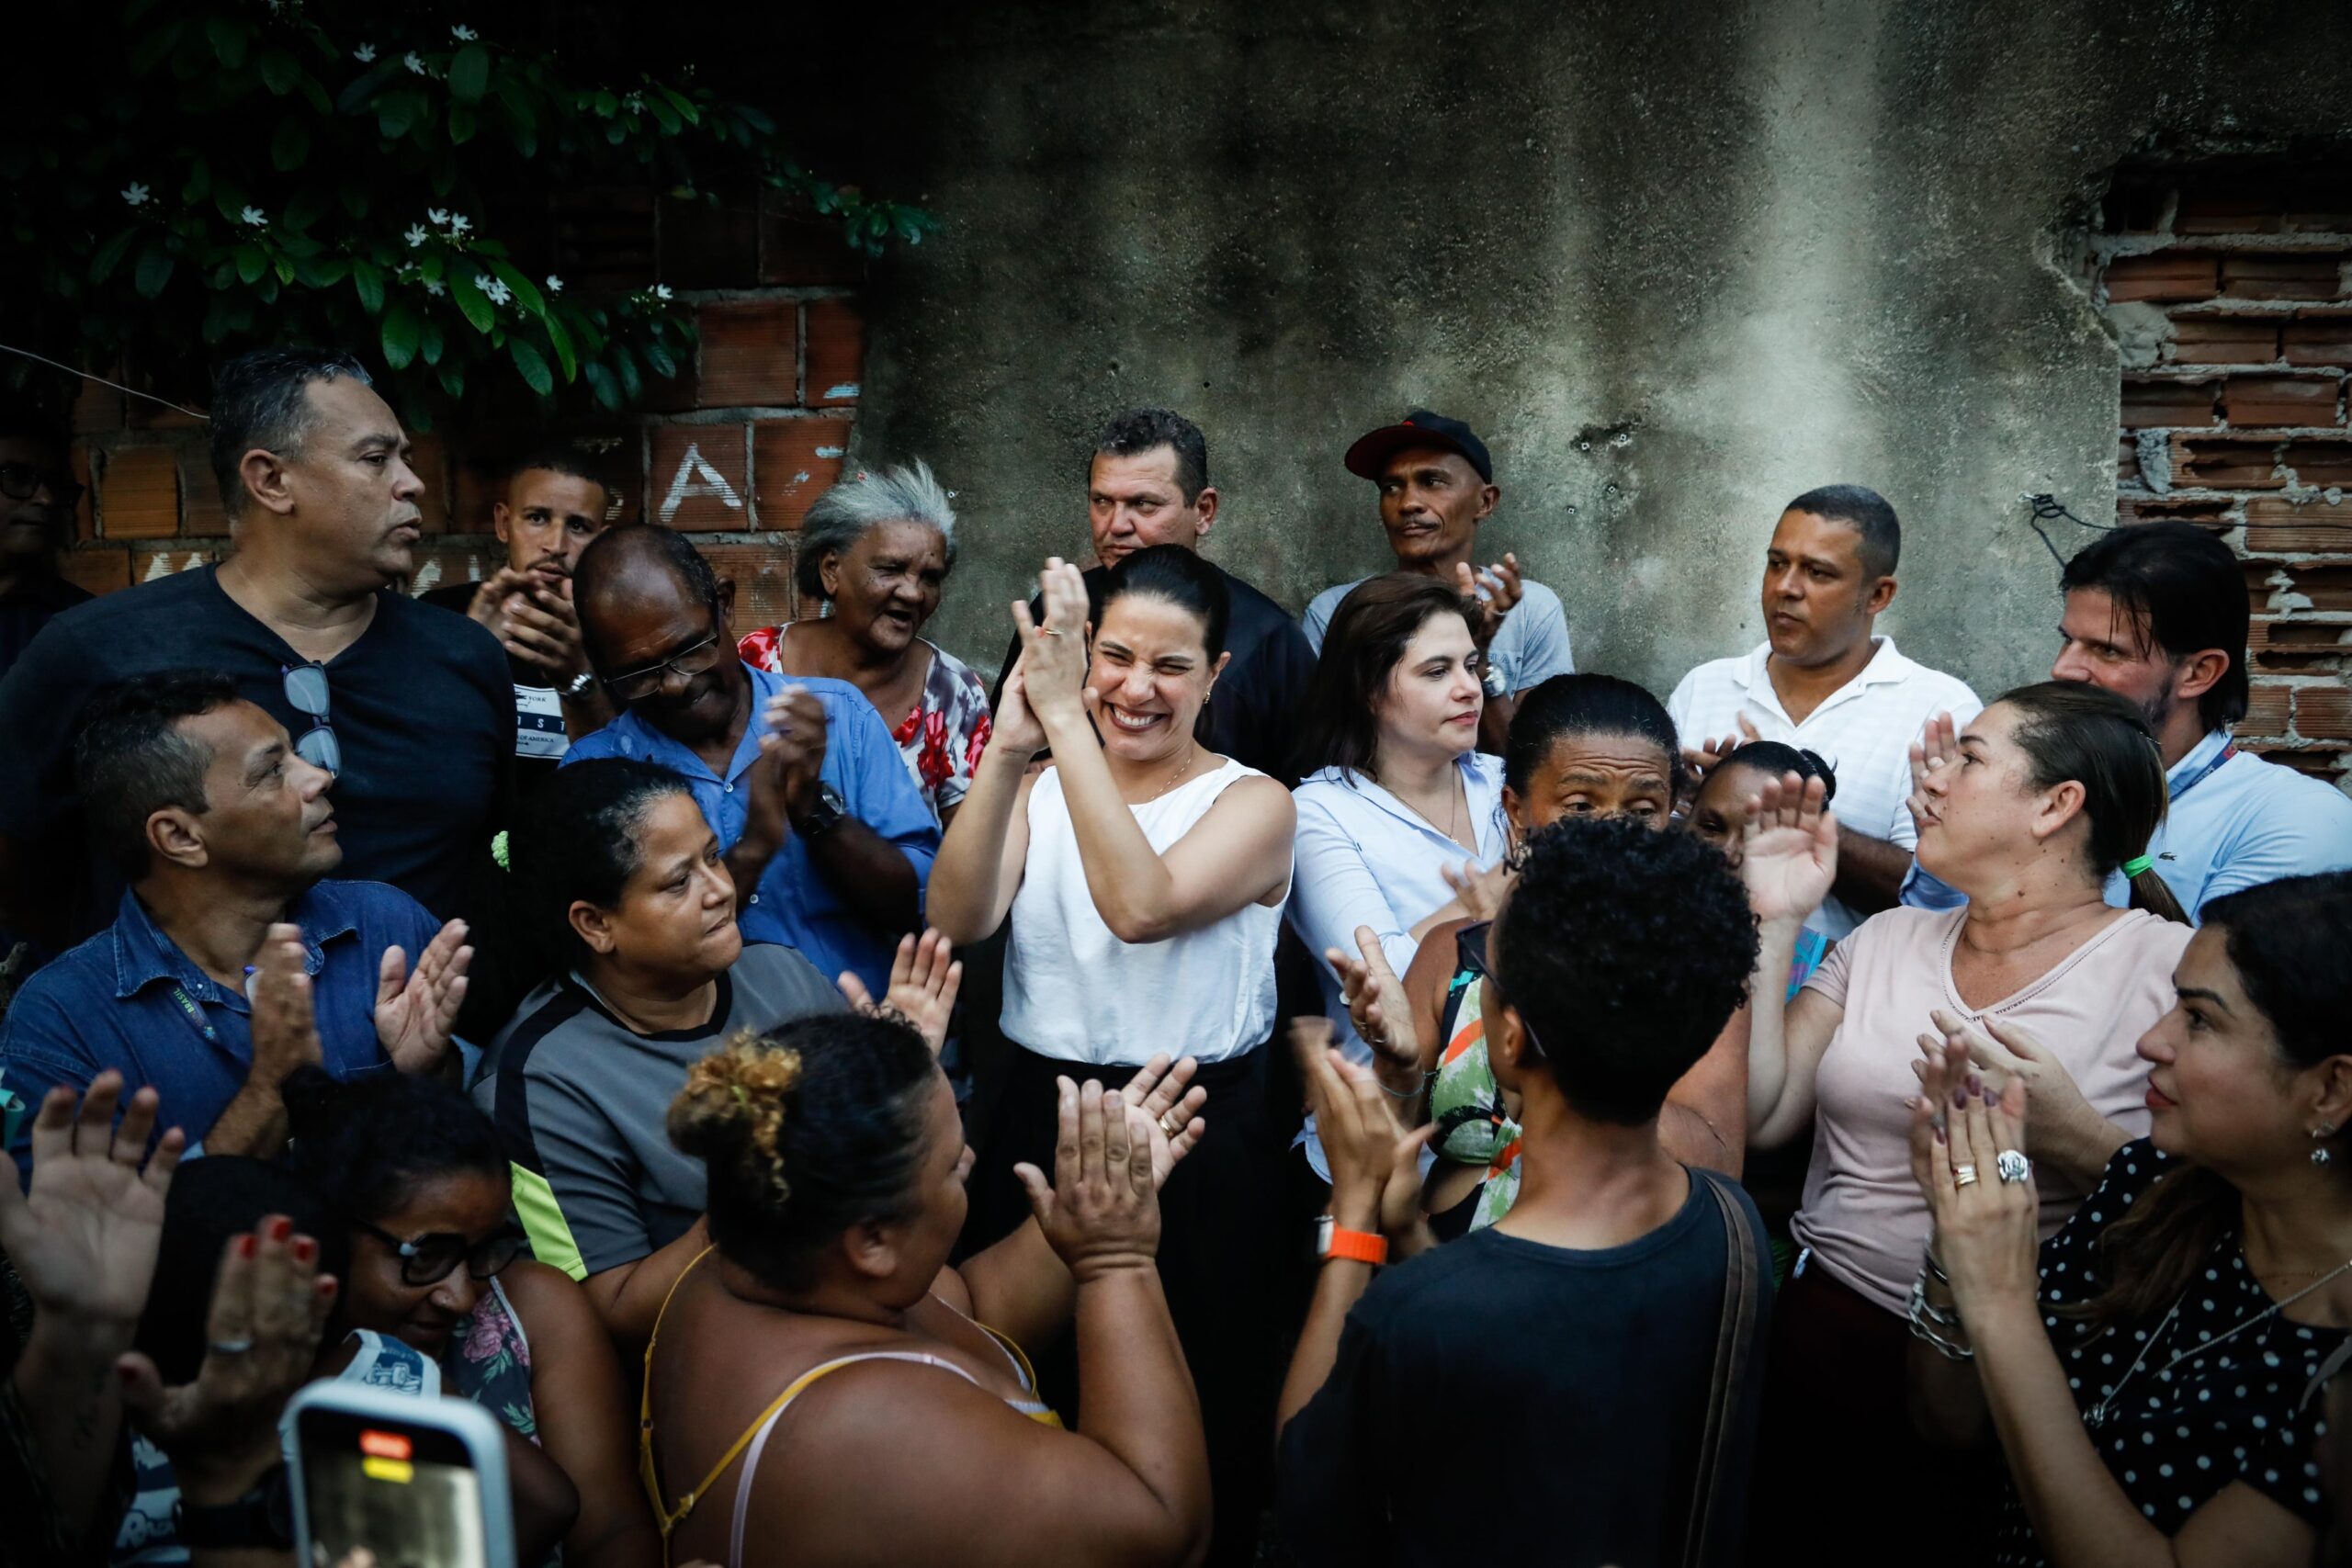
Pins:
x: 1147, y: 484
x: 410, y: 708
x: 1539, y: 1391
x: 552, y: 503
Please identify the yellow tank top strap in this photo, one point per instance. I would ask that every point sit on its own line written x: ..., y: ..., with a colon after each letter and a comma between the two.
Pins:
x: 646, y: 1473
x: 1020, y: 1357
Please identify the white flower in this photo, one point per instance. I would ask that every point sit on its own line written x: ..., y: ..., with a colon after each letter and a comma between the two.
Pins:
x: 252, y: 215
x: 457, y: 224
x: 415, y: 236
x: 436, y: 216
x: 633, y: 102
x: 497, y: 292
x: 432, y: 288
x: 135, y: 194
x: 555, y: 284
x: 365, y: 53
x: 661, y: 292
x: 415, y: 62
x: 463, y: 34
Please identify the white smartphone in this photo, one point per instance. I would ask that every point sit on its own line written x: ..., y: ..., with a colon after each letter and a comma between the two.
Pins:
x: 381, y: 1480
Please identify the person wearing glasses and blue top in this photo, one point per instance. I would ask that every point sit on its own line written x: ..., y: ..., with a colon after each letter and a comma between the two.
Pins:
x: 828, y: 841
x: 233, y: 959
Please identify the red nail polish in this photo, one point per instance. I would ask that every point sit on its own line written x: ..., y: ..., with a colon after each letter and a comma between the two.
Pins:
x: 246, y: 1244
x: 304, y: 1249
x: 280, y: 1228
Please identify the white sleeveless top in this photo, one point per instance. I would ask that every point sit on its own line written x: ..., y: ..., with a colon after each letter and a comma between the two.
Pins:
x: 1075, y: 992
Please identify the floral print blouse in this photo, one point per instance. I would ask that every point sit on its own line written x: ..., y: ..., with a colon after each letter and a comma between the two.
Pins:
x: 941, y: 739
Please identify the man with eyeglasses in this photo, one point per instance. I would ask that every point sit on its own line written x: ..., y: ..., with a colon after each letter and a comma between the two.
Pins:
x: 828, y: 839
x: 37, y: 493
x: 412, y: 709
x: 232, y: 960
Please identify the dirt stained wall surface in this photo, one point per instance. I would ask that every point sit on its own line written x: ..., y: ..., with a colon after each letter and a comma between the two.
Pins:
x: 1677, y: 263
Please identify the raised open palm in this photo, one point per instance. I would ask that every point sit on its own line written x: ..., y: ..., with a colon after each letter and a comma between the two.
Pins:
x: 1788, y: 849
x: 84, y: 1237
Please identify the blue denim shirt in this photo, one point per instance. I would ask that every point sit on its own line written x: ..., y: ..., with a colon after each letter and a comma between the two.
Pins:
x: 130, y: 999
x: 794, y: 905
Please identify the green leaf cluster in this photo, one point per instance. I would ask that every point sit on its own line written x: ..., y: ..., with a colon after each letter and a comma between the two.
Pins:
x: 251, y: 170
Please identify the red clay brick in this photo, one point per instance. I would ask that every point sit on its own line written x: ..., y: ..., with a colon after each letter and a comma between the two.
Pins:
x: 2224, y: 340
x: 138, y: 493
x: 2130, y: 508
x: 750, y: 354
x: 2127, y: 462
x: 2213, y: 463
x: 2321, y: 463
x: 2239, y: 205
x: 97, y: 570
x: 2254, y: 401
x: 2327, y: 586
x: 2318, y: 762
x: 700, y: 478
x: 2273, y: 523
x: 2325, y: 340
x: 2267, y: 710
x: 836, y: 352
x: 795, y: 461
x: 2167, y: 275
x: 2323, y: 712
x: 2311, y: 274
x: 2148, y: 401
x: 200, y: 493
x: 763, y: 578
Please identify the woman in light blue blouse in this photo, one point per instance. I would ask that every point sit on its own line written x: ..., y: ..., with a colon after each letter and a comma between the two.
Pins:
x: 1397, y: 797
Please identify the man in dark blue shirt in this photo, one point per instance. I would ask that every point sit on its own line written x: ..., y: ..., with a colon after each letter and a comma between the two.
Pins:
x: 230, y: 962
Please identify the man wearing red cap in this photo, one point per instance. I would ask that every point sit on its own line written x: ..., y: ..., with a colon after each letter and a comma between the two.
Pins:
x: 1437, y: 484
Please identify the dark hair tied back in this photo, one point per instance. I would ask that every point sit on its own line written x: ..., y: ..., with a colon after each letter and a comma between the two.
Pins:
x: 366, y: 1143
x: 2070, y: 731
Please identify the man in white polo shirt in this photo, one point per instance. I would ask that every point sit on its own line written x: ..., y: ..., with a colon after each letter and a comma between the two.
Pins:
x: 1822, y: 681
x: 2157, y: 613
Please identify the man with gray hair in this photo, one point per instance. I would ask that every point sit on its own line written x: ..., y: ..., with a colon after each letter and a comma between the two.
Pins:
x: 410, y: 709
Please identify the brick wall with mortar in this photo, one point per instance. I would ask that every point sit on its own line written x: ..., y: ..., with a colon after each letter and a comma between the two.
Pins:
x: 2229, y: 283
x: 734, y: 450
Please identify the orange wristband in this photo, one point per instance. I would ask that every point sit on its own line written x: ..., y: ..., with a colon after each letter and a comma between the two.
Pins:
x: 1357, y: 1247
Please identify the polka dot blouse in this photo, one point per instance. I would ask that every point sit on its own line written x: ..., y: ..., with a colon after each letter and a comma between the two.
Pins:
x: 2174, y: 1436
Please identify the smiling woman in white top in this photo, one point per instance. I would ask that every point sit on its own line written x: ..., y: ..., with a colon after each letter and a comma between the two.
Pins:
x: 1398, y: 795
x: 1145, y: 877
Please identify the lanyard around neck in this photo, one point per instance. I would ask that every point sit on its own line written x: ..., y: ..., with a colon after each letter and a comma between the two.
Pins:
x: 2203, y: 772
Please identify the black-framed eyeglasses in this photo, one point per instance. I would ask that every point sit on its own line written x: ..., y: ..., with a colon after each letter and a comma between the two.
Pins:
x: 1470, y: 952
x: 636, y: 685
x: 306, y: 693
x: 22, y: 481
x: 429, y: 1258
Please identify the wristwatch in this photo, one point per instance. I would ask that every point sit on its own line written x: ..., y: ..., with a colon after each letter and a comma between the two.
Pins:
x: 579, y: 686
x: 1491, y: 679
x: 262, y: 1519
x: 1332, y: 1240
x: 825, y: 816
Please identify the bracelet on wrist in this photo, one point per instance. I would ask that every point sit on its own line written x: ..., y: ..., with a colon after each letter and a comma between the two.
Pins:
x: 1942, y: 1330
x: 1412, y: 1093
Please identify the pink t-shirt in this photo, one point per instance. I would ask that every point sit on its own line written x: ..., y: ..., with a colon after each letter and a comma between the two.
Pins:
x: 1862, y: 1213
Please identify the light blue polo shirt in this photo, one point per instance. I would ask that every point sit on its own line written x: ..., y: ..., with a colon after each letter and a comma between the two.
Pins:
x: 794, y: 904
x: 2235, y: 821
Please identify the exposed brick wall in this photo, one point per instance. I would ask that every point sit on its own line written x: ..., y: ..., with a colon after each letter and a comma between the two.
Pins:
x: 734, y: 450
x: 2231, y: 285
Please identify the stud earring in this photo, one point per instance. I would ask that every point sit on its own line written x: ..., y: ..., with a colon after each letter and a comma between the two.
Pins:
x: 2321, y: 1155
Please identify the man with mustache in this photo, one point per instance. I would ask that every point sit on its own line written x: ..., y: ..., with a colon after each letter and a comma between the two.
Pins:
x: 2157, y: 613
x: 231, y: 961
x: 827, y: 839
x: 411, y: 710
x: 1822, y: 680
x: 554, y: 502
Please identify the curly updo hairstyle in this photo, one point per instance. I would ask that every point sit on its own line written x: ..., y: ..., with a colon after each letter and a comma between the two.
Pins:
x: 808, y: 1130
x: 1626, y: 951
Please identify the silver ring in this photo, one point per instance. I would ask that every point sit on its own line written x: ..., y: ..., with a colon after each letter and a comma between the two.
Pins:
x: 2012, y: 1167
x: 1963, y: 1175
x: 229, y: 1346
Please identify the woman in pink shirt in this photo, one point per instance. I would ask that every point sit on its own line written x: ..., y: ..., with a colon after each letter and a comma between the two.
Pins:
x: 2050, y: 789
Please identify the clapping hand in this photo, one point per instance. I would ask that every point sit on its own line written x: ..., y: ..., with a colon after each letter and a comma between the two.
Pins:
x: 84, y: 1237
x: 1053, y: 653
x: 284, y: 1026
x: 269, y: 1304
x: 415, y: 1014
x: 1100, y: 1214
x: 1377, y: 1004
x: 1503, y: 590
x: 1936, y: 748
x: 1986, y: 1227
x: 1788, y: 849
x: 2057, y: 1118
x: 1375, y: 1163
x: 924, y: 978
x: 541, y: 628
x: 1160, y: 1090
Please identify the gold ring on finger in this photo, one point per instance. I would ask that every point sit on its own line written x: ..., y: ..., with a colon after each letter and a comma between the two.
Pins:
x: 1171, y: 1124
x: 1963, y: 1175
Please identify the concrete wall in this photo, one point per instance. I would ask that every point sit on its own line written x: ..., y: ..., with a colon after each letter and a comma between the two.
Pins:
x: 1678, y: 263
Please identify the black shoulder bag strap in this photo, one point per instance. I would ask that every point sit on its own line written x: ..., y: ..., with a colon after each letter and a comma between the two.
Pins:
x: 1734, y: 1342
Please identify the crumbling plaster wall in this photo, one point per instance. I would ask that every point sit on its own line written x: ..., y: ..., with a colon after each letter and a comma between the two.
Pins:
x: 1676, y: 262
